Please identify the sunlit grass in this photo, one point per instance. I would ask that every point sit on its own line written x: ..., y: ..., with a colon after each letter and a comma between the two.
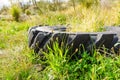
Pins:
x: 83, y: 19
x: 93, y: 19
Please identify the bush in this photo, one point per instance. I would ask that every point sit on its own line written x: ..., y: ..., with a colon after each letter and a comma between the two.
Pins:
x: 27, y: 12
x: 15, y: 12
x: 89, y: 3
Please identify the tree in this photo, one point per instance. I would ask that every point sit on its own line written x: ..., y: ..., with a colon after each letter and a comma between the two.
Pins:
x: 4, y: 9
x: 73, y: 4
x: 36, y: 5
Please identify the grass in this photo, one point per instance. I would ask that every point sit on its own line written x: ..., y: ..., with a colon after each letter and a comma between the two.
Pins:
x: 18, y: 62
x: 84, y: 19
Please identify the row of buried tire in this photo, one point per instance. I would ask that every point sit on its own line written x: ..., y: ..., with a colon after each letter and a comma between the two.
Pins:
x: 41, y: 36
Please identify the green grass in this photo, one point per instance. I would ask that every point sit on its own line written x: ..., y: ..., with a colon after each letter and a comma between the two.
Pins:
x: 18, y: 62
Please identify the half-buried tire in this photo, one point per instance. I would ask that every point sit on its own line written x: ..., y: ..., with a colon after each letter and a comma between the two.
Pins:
x: 41, y: 36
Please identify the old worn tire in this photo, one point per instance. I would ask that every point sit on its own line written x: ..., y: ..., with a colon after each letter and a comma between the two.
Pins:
x: 41, y: 36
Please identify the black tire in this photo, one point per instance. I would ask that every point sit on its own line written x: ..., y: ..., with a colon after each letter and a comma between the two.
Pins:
x: 40, y: 36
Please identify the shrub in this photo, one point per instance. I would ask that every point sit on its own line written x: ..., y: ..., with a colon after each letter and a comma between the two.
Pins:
x: 89, y: 3
x: 15, y: 12
x: 27, y: 12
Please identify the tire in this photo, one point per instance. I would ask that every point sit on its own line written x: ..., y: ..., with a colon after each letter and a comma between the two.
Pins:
x: 41, y: 36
